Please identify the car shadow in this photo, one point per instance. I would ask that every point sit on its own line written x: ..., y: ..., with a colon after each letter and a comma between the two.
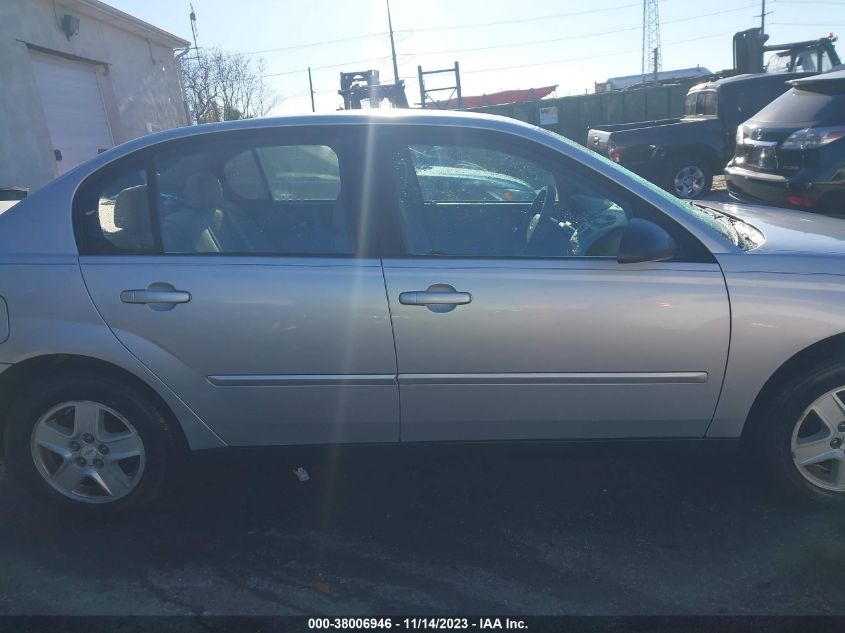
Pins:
x: 622, y: 528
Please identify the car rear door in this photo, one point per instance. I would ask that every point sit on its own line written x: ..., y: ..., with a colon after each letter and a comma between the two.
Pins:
x: 499, y: 340
x: 233, y: 267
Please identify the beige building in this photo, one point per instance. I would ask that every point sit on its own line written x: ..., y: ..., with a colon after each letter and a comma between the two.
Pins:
x: 77, y: 77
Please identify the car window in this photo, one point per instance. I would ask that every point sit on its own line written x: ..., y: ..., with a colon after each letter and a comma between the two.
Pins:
x: 272, y: 199
x: 803, y: 106
x: 301, y: 172
x: 468, y: 200
x: 243, y: 174
x: 466, y: 174
x: 113, y: 213
x: 700, y: 103
x: 708, y: 103
x: 779, y: 63
x: 292, y: 172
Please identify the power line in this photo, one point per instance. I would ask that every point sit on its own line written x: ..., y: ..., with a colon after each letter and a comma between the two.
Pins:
x: 554, y: 16
x: 575, y: 37
x: 517, y: 44
x: 341, y: 65
x: 552, y: 63
x: 312, y: 44
x: 824, y: 24
x: 577, y: 59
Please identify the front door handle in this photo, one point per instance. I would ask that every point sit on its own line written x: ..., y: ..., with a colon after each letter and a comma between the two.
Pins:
x: 158, y: 296
x: 437, y: 298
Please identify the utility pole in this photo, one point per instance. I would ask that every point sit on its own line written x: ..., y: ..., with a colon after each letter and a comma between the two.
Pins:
x: 656, y: 63
x: 763, y: 15
x: 392, y: 45
x: 194, y: 32
x: 311, y: 89
x: 651, y: 38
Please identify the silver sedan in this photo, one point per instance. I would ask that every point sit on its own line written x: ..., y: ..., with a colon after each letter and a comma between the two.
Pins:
x: 371, y: 278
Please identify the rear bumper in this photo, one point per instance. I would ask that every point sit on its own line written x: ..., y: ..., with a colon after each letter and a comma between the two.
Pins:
x: 776, y: 190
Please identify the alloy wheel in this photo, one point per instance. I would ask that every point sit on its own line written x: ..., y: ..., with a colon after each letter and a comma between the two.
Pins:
x: 87, y: 452
x: 818, y: 441
x: 689, y: 182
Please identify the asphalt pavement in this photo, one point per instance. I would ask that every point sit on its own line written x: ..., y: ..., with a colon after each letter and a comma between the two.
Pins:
x: 588, y: 528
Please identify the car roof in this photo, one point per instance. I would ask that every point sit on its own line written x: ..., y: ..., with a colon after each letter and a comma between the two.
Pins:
x: 343, y: 117
x: 830, y: 80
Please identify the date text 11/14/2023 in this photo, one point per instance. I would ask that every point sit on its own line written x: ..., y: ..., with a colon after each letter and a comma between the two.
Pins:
x: 418, y: 623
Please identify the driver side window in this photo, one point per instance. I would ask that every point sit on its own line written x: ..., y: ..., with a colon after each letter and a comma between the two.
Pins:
x: 468, y: 199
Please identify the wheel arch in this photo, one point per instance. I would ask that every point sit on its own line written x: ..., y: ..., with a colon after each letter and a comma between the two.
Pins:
x: 13, y: 378
x: 827, y: 349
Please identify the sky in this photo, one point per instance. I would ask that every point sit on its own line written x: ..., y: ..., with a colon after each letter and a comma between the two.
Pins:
x: 500, y: 44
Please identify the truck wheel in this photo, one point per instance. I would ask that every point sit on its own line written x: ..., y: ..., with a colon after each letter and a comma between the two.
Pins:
x: 688, y: 177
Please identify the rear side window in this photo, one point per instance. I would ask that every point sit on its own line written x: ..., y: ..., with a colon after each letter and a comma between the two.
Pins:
x: 288, y: 172
x: 234, y: 197
x: 224, y: 195
x: 301, y: 172
x: 113, y: 213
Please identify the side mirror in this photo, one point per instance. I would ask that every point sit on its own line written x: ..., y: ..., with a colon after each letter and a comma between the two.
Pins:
x: 645, y: 241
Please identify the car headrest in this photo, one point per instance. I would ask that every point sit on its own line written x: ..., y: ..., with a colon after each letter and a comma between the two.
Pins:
x: 132, y: 210
x: 203, y: 191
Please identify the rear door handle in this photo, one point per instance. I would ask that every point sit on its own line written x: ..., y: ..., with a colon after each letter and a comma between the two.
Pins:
x: 155, y: 296
x: 437, y: 298
x: 158, y: 296
x: 426, y: 298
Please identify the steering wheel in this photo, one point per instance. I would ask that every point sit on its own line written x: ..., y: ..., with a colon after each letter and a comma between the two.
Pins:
x: 540, y: 214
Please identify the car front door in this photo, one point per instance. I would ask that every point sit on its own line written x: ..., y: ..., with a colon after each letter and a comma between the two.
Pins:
x: 230, y: 265
x: 515, y: 320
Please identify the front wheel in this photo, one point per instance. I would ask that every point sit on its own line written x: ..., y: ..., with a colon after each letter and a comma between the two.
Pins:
x: 688, y: 177
x: 88, y: 443
x: 803, y: 435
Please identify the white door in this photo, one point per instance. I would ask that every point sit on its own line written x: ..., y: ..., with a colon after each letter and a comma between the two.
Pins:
x: 73, y: 107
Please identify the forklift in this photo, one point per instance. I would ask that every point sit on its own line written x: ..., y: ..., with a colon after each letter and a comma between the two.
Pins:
x: 357, y: 87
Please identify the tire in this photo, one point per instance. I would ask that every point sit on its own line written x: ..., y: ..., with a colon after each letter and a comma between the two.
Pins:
x: 54, y: 413
x: 688, y: 176
x: 790, y: 431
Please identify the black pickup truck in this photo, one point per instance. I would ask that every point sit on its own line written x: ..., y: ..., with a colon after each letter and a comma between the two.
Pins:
x: 682, y: 155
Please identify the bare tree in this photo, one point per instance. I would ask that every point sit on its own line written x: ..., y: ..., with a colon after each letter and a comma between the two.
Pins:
x: 222, y: 86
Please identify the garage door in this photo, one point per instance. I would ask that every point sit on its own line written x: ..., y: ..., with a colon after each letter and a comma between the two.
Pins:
x: 73, y: 106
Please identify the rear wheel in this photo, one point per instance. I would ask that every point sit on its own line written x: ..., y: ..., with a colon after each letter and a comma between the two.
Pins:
x: 88, y: 443
x: 688, y: 177
x: 803, y: 436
